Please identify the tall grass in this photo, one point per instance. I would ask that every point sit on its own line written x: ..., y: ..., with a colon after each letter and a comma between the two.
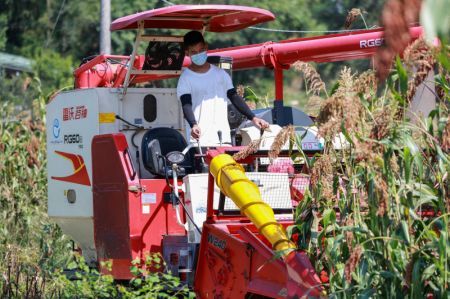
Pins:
x: 31, y: 246
x: 376, y: 218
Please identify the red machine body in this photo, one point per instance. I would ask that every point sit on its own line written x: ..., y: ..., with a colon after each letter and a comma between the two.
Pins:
x: 237, y: 262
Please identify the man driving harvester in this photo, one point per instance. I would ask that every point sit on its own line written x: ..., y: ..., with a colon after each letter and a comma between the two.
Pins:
x: 203, y: 90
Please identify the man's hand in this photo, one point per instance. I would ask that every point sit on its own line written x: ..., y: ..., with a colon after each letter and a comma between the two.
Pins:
x: 260, y: 123
x: 196, y: 132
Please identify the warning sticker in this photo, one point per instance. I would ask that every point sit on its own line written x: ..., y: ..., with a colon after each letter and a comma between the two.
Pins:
x: 148, y: 198
x: 106, y: 118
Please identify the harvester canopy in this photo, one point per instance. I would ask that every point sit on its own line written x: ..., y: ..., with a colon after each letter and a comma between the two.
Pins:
x: 213, y: 18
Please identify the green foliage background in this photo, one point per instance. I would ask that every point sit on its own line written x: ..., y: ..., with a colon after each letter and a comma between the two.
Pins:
x: 58, y: 34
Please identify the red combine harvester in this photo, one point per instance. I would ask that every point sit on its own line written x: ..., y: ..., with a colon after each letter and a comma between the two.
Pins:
x: 123, y: 182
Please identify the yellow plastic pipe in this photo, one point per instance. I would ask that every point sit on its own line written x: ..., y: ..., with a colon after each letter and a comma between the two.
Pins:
x: 232, y: 181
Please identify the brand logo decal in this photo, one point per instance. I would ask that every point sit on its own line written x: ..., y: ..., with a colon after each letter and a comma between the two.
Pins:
x: 73, y: 138
x: 56, y: 128
x: 215, y: 241
x: 370, y: 43
x: 80, y: 174
x: 201, y: 210
x: 72, y: 113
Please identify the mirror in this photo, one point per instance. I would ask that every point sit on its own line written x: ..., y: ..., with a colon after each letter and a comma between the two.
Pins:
x: 175, y: 157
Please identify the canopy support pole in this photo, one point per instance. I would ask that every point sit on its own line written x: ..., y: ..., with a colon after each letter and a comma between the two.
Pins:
x: 278, y: 72
x: 132, y: 58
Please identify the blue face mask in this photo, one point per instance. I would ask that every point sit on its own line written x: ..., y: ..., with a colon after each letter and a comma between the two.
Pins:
x: 200, y: 58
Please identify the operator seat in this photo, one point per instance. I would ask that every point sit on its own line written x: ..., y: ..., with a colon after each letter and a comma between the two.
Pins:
x: 161, y: 141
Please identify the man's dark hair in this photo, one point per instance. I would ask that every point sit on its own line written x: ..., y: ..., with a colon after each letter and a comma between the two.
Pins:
x: 192, y: 38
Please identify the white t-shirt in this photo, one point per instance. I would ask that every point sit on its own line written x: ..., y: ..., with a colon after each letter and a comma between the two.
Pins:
x: 209, y: 103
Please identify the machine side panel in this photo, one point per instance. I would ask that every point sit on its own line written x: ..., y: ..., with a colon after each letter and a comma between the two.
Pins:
x: 158, y: 216
x: 168, y: 109
x: 130, y: 218
x: 111, y: 223
x: 223, y: 268
x: 72, y: 122
x: 229, y: 267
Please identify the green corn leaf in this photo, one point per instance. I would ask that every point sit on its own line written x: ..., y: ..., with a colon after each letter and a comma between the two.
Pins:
x: 428, y: 272
x: 407, y: 163
x: 416, y: 279
x: 402, y: 75
x: 329, y: 217
x: 334, y: 88
x: 387, y: 274
x: 405, y: 231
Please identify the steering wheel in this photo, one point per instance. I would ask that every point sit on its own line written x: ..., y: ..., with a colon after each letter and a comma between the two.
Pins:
x: 176, y: 157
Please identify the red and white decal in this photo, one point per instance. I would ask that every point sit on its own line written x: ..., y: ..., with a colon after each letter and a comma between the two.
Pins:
x: 80, y: 174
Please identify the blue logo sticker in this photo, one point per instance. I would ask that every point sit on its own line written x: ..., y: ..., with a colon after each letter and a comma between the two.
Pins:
x: 56, y: 128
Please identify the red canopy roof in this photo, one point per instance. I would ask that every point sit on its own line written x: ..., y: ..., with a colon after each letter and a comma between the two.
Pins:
x: 215, y: 18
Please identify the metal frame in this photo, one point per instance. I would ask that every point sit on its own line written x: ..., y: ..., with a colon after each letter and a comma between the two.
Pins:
x: 132, y: 59
x: 161, y: 38
x: 140, y: 37
x: 155, y: 72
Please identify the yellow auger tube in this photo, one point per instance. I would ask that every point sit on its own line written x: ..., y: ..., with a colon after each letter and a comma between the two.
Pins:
x: 232, y: 181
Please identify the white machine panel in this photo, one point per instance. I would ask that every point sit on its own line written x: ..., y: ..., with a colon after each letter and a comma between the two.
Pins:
x: 72, y: 122
x: 168, y: 110
x: 274, y: 189
x: 168, y: 113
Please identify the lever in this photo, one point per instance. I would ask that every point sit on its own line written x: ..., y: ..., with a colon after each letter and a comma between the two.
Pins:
x: 191, y: 145
x: 200, y: 151
x: 219, y: 133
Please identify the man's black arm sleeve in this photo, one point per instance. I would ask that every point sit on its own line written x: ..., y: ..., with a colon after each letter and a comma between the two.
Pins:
x: 240, y: 104
x: 186, y: 105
